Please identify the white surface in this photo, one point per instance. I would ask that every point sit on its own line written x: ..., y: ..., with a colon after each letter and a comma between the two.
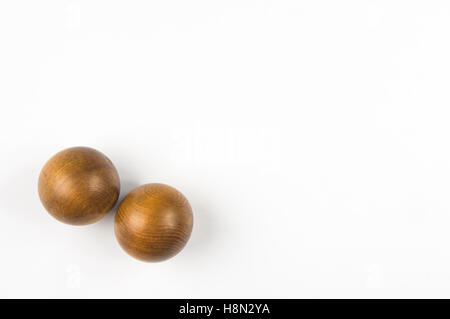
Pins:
x: 311, y: 138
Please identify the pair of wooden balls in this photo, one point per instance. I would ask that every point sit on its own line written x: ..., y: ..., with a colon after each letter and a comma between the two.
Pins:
x: 80, y: 185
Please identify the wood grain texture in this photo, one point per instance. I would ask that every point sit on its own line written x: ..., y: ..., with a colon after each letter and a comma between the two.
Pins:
x: 78, y: 186
x: 153, y: 222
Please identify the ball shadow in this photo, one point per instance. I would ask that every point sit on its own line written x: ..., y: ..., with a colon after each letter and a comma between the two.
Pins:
x: 203, y: 233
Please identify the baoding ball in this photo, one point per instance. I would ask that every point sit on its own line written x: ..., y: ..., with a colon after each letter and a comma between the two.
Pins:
x: 79, y: 185
x: 153, y: 222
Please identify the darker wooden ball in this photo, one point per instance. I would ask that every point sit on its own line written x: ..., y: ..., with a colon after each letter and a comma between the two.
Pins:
x: 78, y: 186
x: 153, y: 222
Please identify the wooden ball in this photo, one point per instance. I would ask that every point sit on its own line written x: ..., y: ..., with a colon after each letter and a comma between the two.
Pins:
x: 153, y: 222
x: 78, y: 186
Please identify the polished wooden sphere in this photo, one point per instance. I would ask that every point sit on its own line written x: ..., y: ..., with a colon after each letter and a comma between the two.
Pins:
x: 153, y: 222
x: 78, y: 186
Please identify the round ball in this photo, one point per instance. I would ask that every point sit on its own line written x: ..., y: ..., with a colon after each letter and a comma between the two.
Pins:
x: 153, y: 222
x: 78, y: 186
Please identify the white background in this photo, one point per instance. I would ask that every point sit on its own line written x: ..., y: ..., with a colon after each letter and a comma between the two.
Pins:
x: 311, y: 138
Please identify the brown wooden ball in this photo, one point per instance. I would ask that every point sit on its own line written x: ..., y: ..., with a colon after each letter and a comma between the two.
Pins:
x: 78, y: 186
x: 153, y: 222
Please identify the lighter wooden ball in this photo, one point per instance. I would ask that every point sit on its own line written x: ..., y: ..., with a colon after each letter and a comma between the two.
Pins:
x: 78, y: 186
x: 153, y: 222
